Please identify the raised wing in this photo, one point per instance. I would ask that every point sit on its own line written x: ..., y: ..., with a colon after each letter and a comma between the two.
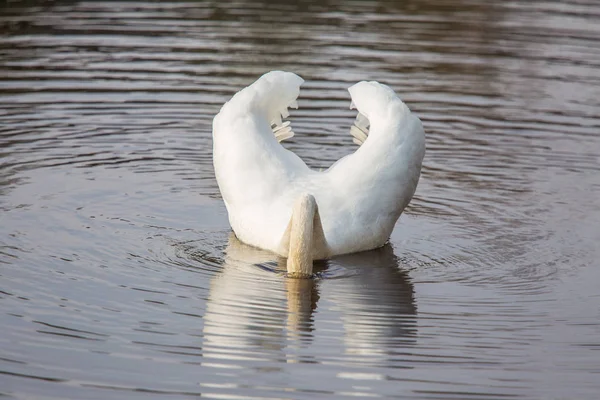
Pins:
x: 250, y: 164
x: 385, y: 169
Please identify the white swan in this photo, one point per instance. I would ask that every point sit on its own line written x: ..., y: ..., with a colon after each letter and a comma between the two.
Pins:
x: 275, y: 202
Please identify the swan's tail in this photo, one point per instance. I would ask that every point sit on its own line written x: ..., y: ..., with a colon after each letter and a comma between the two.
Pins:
x: 304, y: 237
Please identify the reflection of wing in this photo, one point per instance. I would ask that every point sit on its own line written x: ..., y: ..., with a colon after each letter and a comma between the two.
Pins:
x: 377, y: 305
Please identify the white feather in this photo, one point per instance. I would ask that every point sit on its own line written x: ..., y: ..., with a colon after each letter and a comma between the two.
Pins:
x: 358, y: 134
x: 284, y: 134
x: 362, y: 122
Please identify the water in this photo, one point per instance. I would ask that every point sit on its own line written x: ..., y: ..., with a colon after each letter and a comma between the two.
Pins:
x: 119, y: 276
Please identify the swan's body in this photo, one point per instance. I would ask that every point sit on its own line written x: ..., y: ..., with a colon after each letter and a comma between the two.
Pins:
x: 358, y: 199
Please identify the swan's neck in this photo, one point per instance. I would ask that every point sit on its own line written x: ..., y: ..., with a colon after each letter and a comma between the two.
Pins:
x: 306, y: 237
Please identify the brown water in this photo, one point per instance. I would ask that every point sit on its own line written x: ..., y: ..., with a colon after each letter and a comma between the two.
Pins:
x: 119, y: 278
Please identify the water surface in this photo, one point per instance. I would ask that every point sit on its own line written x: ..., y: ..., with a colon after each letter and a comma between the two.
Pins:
x: 120, y: 277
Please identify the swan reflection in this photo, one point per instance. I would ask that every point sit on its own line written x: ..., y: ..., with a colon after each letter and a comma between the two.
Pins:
x: 376, y: 305
x: 255, y: 313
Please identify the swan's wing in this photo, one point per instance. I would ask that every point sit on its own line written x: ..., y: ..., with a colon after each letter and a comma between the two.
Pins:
x: 267, y: 99
x: 250, y: 125
x: 366, y: 191
x: 249, y: 161
x: 383, y: 114
x: 253, y: 170
x: 383, y: 172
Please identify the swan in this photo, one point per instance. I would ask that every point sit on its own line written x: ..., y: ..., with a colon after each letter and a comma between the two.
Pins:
x: 276, y: 202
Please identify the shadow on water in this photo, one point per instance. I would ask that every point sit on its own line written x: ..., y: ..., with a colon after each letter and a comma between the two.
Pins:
x: 254, y: 312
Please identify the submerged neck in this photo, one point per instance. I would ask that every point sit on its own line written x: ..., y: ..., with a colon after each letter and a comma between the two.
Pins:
x: 306, y: 237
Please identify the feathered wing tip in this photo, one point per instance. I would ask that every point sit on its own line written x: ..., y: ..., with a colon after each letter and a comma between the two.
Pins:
x: 360, y: 129
x: 374, y: 101
x: 269, y: 96
x: 282, y: 132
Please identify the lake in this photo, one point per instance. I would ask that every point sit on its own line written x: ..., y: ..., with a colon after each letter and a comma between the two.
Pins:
x: 119, y: 274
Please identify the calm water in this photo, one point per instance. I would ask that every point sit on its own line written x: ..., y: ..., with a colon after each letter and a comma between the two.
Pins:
x: 119, y: 276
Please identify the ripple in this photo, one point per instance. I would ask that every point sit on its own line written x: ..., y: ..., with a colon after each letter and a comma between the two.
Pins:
x: 118, y: 265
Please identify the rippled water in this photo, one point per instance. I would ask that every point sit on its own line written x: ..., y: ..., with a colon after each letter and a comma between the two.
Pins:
x: 119, y: 276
